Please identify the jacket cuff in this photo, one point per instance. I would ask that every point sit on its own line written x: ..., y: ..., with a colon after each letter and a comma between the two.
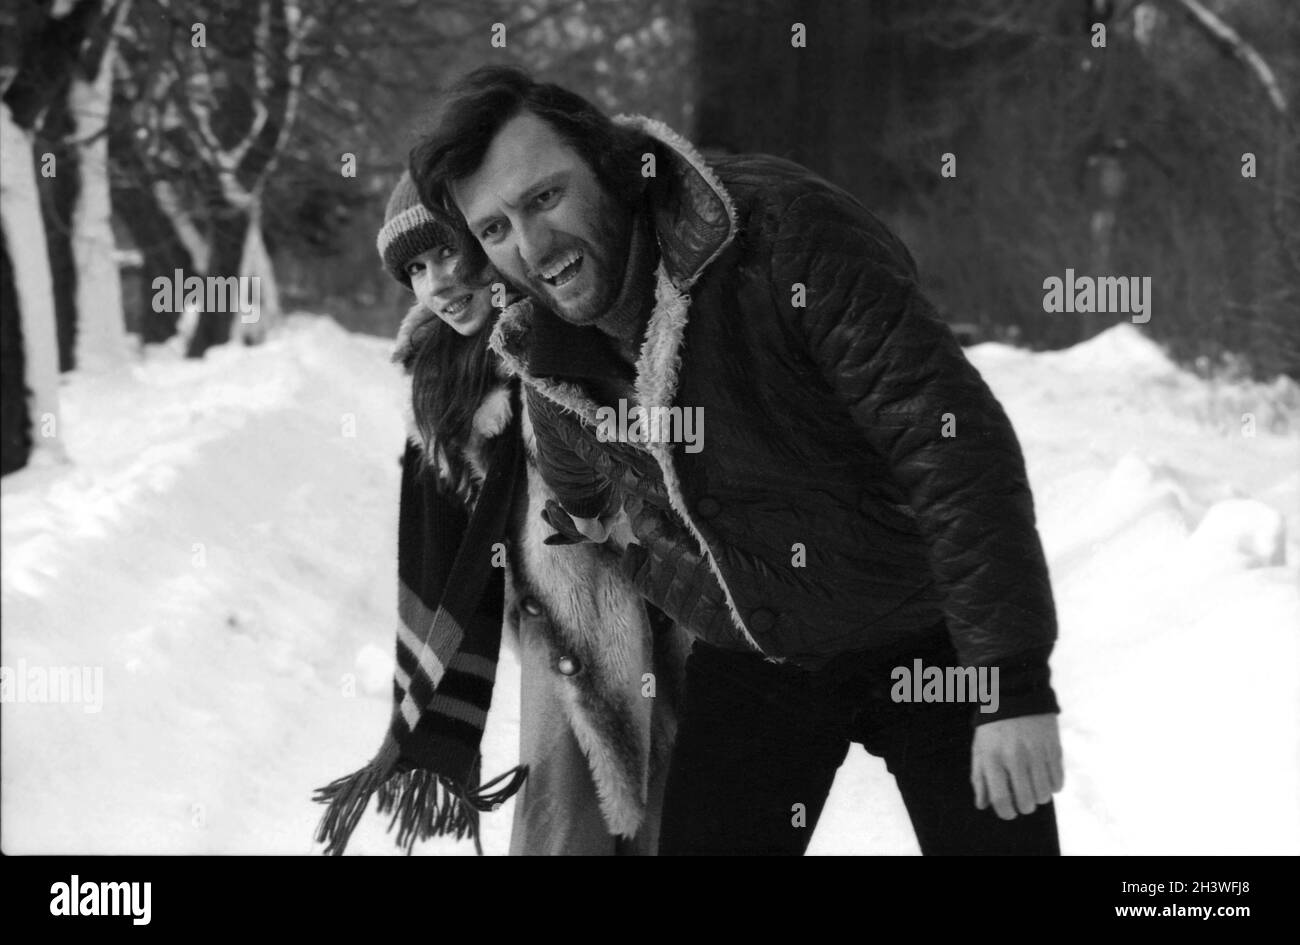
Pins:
x: 1013, y: 707
x: 1024, y: 688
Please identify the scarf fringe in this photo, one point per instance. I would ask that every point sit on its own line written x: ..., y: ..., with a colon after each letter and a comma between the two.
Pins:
x: 423, y: 804
x: 480, y: 799
x: 347, y: 799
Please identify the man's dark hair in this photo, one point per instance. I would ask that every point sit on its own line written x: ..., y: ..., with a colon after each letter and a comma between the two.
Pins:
x: 480, y: 103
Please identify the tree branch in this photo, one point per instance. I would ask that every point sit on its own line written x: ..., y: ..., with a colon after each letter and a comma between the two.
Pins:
x: 1230, y: 40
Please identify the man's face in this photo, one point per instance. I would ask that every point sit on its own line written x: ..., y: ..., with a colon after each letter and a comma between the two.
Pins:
x: 545, y: 221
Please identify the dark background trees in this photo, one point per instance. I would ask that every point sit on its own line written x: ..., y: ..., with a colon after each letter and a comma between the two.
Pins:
x: 1125, y: 159
x: 271, y: 147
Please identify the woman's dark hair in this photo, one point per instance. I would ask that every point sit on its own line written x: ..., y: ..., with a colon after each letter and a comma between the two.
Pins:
x: 450, y: 376
x: 480, y: 103
x: 472, y: 265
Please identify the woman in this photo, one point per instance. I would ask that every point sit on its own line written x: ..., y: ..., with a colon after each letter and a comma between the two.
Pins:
x: 600, y: 675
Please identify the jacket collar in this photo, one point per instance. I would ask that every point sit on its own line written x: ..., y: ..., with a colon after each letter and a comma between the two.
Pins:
x: 408, y: 332
x: 694, y: 217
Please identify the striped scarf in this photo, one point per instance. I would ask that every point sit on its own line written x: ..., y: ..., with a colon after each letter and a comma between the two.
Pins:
x: 427, y: 769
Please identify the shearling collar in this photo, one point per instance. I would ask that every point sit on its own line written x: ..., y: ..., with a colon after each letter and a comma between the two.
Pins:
x: 490, y: 419
x: 416, y: 317
x: 694, y: 217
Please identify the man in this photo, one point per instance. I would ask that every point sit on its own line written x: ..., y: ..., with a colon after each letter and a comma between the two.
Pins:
x: 859, y: 508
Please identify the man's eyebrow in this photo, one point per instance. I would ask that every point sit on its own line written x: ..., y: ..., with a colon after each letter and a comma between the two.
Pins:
x: 550, y: 180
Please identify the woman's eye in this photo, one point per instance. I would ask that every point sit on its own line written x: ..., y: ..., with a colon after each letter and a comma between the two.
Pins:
x: 413, y: 268
x: 446, y: 252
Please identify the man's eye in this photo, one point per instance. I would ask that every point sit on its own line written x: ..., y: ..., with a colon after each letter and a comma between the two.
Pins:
x: 492, y: 231
x: 547, y: 198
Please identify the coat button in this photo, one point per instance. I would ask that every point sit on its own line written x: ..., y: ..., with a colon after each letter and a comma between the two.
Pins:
x: 762, y: 620
x: 708, y: 507
x: 567, y: 666
x: 531, y: 606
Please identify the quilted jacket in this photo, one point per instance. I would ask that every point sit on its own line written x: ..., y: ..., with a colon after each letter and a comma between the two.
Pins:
x: 858, y: 482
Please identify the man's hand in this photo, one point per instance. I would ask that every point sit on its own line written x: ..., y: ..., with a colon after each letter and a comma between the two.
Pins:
x: 1016, y: 764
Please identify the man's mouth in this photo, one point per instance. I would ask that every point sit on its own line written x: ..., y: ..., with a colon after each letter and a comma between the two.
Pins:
x: 563, y: 270
x: 457, y: 306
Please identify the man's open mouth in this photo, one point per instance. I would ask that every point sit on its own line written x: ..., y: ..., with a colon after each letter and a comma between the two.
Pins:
x: 564, y: 269
x: 457, y: 306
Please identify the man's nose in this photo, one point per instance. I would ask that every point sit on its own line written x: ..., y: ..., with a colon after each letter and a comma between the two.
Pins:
x: 533, y: 244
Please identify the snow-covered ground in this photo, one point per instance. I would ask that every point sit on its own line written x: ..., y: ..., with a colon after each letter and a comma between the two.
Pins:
x: 223, y: 548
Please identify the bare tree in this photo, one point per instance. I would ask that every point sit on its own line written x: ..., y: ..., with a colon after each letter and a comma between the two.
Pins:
x: 216, y: 91
x: 101, y: 325
x: 41, y: 49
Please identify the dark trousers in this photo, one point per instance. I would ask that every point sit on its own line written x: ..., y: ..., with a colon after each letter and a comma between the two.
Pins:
x: 758, y: 738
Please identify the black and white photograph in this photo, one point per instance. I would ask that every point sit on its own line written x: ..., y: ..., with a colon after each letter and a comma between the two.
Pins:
x: 651, y: 427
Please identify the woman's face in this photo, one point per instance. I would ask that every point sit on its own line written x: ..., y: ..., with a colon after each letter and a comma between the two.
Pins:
x: 433, y: 277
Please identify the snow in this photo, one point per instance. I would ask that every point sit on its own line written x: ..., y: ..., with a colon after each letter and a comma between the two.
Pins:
x: 222, y: 545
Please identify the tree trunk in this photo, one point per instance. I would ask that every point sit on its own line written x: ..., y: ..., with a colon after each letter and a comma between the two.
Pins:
x: 58, y: 195
x: 256, y: 264
x: 24, y: 232
x: 101, y: 323
x: 164, y: 234
x: 229, y: 233
x: 186, y: 230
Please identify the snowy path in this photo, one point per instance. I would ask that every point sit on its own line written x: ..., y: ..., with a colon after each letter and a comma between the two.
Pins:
x: 223, y: 547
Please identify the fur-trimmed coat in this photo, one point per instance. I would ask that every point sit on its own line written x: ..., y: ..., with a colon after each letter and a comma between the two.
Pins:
x: 600, y: 678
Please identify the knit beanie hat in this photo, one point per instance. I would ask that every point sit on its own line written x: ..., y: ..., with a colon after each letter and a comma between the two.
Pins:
x: 409, y: 229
